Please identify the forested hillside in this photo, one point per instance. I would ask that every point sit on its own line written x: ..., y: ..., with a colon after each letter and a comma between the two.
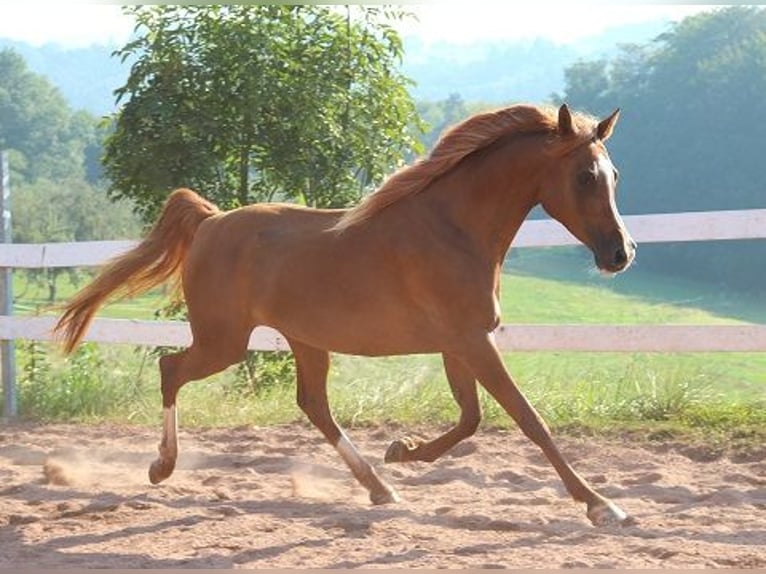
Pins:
x: 57, y: 192
x: 493, y: 71
x: 497, y: 71
x: 86, y: 77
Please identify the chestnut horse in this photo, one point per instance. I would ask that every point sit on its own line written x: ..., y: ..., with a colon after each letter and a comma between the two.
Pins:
x: 414, y: 268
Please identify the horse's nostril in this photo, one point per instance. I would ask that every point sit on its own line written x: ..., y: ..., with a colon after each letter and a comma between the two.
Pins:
x: 620, y: 257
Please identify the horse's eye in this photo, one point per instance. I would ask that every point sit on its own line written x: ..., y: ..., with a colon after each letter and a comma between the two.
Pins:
x: 586, y: 178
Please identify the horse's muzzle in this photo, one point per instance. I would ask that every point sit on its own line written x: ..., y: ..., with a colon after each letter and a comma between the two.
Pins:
x: 616, y: 255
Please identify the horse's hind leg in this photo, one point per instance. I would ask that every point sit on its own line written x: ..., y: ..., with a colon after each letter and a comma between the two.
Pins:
x: 312, y: 367
x: 206, y: 356
x: 463, y: 385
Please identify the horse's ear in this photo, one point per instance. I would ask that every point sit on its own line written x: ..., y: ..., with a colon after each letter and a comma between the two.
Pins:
x: 606, y: 126
x: 566, y: 128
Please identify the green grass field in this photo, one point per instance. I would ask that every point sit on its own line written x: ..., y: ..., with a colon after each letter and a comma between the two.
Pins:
x: 706, y: 392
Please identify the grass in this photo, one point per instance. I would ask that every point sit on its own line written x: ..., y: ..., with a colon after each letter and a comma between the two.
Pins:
x: 718, y: 393
x: 31, y: 297
x: 578, y: 294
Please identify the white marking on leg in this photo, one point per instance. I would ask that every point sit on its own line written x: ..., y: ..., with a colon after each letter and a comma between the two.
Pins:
x: 380, y: 492
x: 169, y: 445
x: 351, y: 456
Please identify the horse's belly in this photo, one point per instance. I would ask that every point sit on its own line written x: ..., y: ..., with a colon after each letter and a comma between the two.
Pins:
x: 372, y: 322
x: 355, y: 334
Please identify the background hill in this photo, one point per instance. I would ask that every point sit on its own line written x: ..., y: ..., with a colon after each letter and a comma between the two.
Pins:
x: 85, y: 76
x: 488, y: 71
x: 500, y: 72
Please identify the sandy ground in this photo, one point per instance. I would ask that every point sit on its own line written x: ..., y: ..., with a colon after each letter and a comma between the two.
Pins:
x: 78, y: 497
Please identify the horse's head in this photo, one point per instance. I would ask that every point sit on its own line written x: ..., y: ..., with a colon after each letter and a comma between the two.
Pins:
x: 580, y: 193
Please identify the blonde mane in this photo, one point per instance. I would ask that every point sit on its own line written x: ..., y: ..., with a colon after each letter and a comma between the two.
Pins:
x: 473, y: 134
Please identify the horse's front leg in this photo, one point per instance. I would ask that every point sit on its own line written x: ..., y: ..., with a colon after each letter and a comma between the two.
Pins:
x: 482, y: 356
x: 463, y: 386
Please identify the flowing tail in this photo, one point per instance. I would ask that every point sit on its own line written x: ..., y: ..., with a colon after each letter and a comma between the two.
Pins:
x: 155, y: 260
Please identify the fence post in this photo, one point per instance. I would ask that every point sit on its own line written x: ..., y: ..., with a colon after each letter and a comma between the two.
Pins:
x: 7, y: 347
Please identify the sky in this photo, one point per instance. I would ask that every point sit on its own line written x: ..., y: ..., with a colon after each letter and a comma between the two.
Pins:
x: 75, y: 24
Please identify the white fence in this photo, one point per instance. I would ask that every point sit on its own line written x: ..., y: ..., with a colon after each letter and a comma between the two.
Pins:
x: 699, y: 226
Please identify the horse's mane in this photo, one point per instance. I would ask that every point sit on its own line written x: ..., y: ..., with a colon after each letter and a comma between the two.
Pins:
x: 471, y: 135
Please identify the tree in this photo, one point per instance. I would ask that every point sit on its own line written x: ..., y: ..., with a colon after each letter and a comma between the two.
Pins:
x: 249, y: 103
x: 587, y: 85
x: 37, y: 125
x: 67, y: 210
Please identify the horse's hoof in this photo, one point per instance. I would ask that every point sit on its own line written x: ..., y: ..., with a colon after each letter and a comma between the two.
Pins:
x: 160, y: 469
x: 384, y: 497
x: 607, y: 513
x: 395, y: 452
x: 400, y: 450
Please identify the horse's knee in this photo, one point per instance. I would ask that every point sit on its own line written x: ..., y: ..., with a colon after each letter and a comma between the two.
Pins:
x: 169, y: 383
x: 469, y: 423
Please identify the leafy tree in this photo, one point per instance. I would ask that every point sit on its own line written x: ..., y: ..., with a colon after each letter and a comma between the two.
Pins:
x: 87, y: 135
x: 249, y: 103
x: 587, y: 84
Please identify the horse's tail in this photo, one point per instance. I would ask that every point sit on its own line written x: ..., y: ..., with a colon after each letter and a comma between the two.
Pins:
x: 158, y: 258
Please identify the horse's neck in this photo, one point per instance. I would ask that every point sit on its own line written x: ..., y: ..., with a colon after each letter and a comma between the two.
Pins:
x: 489, y: 196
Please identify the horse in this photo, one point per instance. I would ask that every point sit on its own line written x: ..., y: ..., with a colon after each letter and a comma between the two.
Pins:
x: 413, y: 268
